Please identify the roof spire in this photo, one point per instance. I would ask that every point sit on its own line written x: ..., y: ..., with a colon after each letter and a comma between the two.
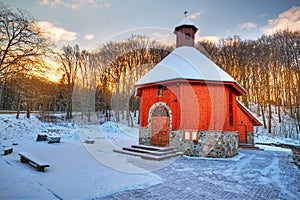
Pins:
x: 185, y: 12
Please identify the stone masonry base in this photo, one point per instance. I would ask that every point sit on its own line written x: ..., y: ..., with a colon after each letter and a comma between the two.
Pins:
x: 250, y: 138
x: 217, y: 144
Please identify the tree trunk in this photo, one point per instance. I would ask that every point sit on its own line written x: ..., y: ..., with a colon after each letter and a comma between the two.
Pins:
x: 263, y: 115
x: 19, y: 106
x: 69, y: 106
x: 130, y: 122
x: 270, y: 118
x: 117, y: 103
x: 279, y: 110
x: 2, y: 85
x: 28, y: 111
x: 89, y: 113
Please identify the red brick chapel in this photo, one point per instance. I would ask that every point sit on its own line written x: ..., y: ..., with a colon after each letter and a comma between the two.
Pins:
x: 189, y: 103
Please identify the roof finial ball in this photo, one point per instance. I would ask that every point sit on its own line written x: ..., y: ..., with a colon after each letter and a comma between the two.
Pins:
x: 185, y: 12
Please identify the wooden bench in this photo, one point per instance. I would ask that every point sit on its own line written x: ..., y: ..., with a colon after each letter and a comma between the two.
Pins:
x: 89, y: 141
x: 53, y: 139
x: 7, y: 150
x: 33, y: 161
x: 49, y: 138
x: 41, y: 137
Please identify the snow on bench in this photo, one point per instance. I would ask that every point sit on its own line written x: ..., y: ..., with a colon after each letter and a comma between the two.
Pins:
x: 53, y: 139
x: 33, y: 161
x: 89, y: 141
x: 49, y: 138
x: 7, y: 150
x: 41, y: 137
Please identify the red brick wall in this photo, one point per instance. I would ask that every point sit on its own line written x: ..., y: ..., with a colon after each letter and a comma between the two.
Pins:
x: 244, y: 120
x: 169, y: 96
x: 182, y: 40
x: 194, y: 106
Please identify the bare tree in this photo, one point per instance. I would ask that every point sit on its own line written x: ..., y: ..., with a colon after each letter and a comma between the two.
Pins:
x: 268, y: 68
x: 129, y: 60
x: 21, y: 42
x: 69, y: 59
x: 84, y: 91
x: 22, y: 49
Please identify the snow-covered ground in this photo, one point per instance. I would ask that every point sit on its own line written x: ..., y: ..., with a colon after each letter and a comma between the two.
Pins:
x: 271, y: 139
x: 283, y: 132
x: 79, y: 170
x: 258, y: 174
x: 76, y: 170
x: 262, y: 136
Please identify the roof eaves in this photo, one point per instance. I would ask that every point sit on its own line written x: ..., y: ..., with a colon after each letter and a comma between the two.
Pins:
x: 249, y: 113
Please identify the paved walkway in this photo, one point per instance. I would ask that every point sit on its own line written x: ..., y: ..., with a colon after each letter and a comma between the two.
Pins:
x: 258, y: 175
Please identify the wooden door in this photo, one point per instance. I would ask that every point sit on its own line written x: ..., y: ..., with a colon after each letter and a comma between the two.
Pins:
x: 160, y: 127
x: 242, y: 133
x: 159, y: 134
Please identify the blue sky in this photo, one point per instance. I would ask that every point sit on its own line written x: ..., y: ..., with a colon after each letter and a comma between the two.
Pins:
x: 92, y: 22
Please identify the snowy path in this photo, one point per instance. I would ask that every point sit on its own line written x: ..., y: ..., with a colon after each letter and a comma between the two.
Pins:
x: 265, y: 174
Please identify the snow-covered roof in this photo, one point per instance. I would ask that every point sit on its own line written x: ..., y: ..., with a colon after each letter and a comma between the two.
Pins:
x: 186, y: 63
x: 250, y: 113
x: 186, y: 21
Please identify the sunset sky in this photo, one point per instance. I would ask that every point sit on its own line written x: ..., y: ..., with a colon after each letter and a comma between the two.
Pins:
x: 89, y: 23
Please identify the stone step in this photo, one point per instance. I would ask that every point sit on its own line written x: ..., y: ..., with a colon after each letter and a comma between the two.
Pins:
x: 152, y: 148
x: 248, y: 146
x: 245, y: 144
x: 251, y: 148
x: 149, y: 156
x: 157, y: 153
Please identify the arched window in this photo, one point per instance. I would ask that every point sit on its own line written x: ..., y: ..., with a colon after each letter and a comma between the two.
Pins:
x: 160, y: 111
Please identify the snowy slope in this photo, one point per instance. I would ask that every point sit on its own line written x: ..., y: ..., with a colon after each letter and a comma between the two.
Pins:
x: 282, y: 133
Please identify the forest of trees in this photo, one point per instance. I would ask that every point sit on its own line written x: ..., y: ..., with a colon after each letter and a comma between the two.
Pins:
x: 102, y: 80
x: 268, y: 68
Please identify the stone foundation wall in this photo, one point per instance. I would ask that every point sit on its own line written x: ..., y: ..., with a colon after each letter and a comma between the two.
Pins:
x: 217, y: 144
x: 144, y: 136
x: 250, y: 138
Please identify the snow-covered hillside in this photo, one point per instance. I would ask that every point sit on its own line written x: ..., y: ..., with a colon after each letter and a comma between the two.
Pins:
x: 283, y: 132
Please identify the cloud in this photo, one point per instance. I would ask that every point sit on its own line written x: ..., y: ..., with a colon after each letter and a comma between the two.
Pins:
x: 89, y: 36
x: 248, y: 26
x: 289, y: 19
x: 200, y: 38
x: 55, y: 33
x: 194, y: 15
x: 263, y: 15
x: 75, y: 4
x: 213, y: 39
x: 49, y: 3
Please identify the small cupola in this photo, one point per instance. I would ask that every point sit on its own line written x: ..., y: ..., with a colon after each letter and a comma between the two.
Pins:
x: 185, y: 33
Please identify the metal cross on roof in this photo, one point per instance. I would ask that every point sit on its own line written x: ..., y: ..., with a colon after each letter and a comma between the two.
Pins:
x: 185, y: 12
